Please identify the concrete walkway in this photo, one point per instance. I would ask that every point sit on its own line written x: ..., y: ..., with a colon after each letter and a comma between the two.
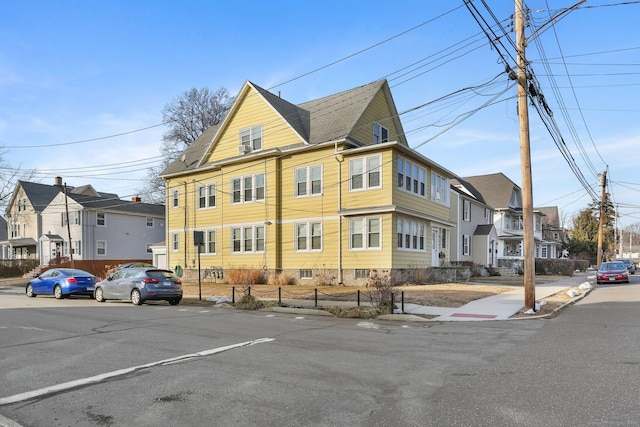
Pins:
x: 496, y: 307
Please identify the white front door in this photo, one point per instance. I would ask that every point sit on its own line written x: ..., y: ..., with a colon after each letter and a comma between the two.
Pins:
x: 435, y: 241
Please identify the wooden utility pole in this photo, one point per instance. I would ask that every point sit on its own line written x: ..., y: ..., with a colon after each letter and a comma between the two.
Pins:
x: 66, y: 208
x: 528, y: 246
x: 602, y: 180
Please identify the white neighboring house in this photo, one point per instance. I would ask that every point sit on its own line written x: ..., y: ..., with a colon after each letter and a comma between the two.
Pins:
x: 476, y: 236
x: 505, y: 197
x: 100, y: 228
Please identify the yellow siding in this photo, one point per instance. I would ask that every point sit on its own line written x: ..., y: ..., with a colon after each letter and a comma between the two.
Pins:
x: 252, y: 110
x: 378, y: 112
x: 282, y: 209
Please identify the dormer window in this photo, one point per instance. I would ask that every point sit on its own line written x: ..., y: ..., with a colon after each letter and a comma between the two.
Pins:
x: 380, y: 134
x: 251, y: 139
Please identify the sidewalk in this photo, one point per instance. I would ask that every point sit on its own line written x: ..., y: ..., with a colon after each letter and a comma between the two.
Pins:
x: 496, y: 307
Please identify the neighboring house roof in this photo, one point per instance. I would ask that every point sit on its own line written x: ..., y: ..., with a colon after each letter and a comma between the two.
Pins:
x: 332, y: 118
x: 115, y: 204
x: 190, y: 157
x: 483, y: 230
x: 463, y: 187
x: 551, y: 216
x: 496, y: 189
x: 39, y: 195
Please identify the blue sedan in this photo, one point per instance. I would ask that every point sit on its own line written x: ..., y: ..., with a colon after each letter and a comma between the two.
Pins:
x: 61, y: 283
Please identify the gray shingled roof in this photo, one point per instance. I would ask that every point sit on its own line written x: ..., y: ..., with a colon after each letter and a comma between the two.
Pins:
x: 326, y: 119
x: 495, y: 188
x: 193, y: 153
x: 468, y: 187
x: 39, y: 195
x: 483, y: 230
x: 334, y: 116
x: 115, y: 204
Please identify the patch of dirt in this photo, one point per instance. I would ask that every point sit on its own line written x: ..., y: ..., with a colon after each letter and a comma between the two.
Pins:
x: 437, y: 295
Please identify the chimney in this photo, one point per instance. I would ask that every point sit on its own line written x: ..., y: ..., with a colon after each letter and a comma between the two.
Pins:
x: 58, y: 182
x: 136, y: 199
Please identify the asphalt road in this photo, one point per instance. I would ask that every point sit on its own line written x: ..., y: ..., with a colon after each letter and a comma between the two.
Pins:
x: 77, y: 362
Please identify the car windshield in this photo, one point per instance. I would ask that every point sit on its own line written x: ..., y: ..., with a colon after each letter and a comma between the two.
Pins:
x: 625, y: 261
x: 608, y: 266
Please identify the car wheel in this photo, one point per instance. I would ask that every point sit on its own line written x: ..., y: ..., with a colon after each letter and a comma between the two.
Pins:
x: 174, y: 301
x: 136, y: 298
x: 30, y: 292
x: 57, y: 292
x: 99, y: 295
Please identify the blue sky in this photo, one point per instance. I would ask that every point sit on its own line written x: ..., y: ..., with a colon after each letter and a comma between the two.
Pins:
x: 84, y: 70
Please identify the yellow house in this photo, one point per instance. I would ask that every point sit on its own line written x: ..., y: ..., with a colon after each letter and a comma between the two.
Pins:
x: 327, y: 190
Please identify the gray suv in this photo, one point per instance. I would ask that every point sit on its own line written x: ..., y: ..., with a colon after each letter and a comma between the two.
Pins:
x: 631, y: 266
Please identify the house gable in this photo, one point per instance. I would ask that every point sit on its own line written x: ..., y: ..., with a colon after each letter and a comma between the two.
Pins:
x: 280, y: 124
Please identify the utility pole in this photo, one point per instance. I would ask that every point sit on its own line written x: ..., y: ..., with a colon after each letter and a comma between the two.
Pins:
x: 66, y: 208
x: 525, y: 159
x: 602, y: 181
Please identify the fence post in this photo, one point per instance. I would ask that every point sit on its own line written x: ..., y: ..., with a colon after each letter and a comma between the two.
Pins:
x: 233, y: 294
x: 392, y: 303
x: 279, y: 296
x: 402, y: 301
x: 315, y: 291
x: 249, y: 290
x: 358, y: 297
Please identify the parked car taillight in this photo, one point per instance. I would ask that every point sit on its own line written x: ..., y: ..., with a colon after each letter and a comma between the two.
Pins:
x: 72, y: 280
x: 150, y: 280
x: 178, y: 282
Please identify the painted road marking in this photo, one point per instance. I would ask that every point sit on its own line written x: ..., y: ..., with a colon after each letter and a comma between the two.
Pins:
x: 98, y: 378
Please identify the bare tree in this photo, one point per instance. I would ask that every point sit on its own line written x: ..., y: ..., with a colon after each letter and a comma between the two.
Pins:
x: 8, y: 179
x: 187, y: 116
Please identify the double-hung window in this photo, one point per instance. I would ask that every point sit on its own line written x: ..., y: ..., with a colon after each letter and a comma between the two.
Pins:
x: 411, y: 177
x: 365, y: 233
x: 466, y: 210
x: 251, y: 138
x: 101, y: 219
x: 175, y: 242
x: 247, y: 239
x: 101, y: 247
x: 210, y: 241
x: 248, y: 188
x: 175, y: 198
x: 308, y: 181
x: 308, y: 236
x: 380, y: 134
x: 411, y: 235
x: 364, y: 172
x: 439, y: 189
x: 207, y: 196
x: 466, y: 244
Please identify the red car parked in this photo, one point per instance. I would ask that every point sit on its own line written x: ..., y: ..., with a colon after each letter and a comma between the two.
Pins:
x: 612, y: 272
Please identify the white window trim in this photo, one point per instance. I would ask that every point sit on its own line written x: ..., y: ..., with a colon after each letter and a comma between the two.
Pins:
x: 309, y: 181
x: 175, y: 242
x: 175, y: 198
x: 104, y: 219
x: 254, y: 239
x: 443, y: 189
x: 252, y: 139
x: 413, y: 229
x: 365, y: 234
x: 379, y: 137
x: 207, y: 196
x: 466, y: 210
x: 466, y: 245
x: 365, y: 173
x: 147, y: 222
x: 98, y: 242
x: 207, y: 241
x: 309, y: 236
x: 418, y: 183
x: 254, y: 192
